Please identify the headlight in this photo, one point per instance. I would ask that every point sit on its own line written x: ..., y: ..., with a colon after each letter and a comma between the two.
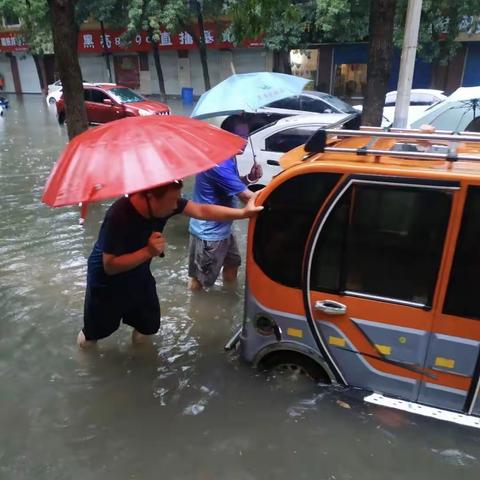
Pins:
x: 144, y: 113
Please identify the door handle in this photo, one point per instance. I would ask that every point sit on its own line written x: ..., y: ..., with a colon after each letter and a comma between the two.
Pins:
x: 331, y: 307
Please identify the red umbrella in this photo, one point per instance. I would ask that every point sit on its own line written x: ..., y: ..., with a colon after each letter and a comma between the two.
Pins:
x: 133, y: 154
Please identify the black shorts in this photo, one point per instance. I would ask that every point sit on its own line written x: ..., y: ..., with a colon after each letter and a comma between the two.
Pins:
x: 106, y: 307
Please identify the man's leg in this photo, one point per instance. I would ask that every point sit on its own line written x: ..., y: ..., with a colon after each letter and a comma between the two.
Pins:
x: 144, y: 316
x: 205, y: 262
x: 101, y: 316
x: 232, y: 261
x: 82, y: 342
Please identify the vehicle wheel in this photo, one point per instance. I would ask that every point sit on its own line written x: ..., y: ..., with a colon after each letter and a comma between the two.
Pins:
x: 52, y: 101
x: 294, y: 365
x: 61, y: 118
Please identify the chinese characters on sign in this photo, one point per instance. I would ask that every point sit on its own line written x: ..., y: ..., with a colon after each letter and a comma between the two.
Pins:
x: 12, y: 42
x: 92, y: 41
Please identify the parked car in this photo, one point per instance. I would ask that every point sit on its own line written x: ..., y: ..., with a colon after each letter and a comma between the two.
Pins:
x: 107, y: 102
x: 420, y: 100
x: 308, y: 101
x: 459, y: 112
x: 268, y: 142
x: 53, y: 95
x: 363, y: 267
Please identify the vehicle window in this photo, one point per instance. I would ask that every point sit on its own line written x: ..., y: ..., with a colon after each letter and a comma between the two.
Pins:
x: 123, y: 95
x: 421, y: 99
x: 338, y: 104
x: 463, y: 294
x: 87, y: 94
x: 290, y: 103
x: 97, y: 96
x: 385, y: 241
x: 283, y: 226
x: 309, y: 104
x: 474, y: 125
x: 285, y: 140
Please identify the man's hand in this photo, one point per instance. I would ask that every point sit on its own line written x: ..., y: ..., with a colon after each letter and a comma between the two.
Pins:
x: 156, y: 244
x: 256, y: 173
x: 250, y: 209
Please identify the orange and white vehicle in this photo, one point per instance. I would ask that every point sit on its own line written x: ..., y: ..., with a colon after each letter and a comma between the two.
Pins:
x: 364, y: 268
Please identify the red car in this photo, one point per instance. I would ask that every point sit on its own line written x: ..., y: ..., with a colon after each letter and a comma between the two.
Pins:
x: 107, y: 102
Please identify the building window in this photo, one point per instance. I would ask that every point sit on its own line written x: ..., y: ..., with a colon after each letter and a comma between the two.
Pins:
x: 10, y: 20
x: 463, y: 294
x: 283, y: 226
x: 385, y: 241
x: 350, y: 80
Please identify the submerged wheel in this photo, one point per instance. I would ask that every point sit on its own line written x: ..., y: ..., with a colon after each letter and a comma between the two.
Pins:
x: 294, y: 365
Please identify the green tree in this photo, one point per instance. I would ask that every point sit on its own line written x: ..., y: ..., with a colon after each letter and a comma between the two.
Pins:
x: 283, y: 25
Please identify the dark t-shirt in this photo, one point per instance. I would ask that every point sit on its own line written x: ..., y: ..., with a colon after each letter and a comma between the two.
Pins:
x: 123, y: 231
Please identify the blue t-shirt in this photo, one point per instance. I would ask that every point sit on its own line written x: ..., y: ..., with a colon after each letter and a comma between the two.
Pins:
x: 124, y: 230
x: 217, y: 186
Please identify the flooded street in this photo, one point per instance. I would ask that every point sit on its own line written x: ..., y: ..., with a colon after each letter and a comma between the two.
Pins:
x: 182, y: 408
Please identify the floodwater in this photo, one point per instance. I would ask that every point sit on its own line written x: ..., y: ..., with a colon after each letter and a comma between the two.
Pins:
x: 182, y: 408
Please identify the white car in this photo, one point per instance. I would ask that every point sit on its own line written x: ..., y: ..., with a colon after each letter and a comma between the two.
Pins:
x: 54, y: 96
x: 274, y: 139
x: 308, y: 102
x: 420, y: 100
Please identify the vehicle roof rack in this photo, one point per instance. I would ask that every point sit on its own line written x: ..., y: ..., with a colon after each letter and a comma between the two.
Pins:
x: 317, y: 143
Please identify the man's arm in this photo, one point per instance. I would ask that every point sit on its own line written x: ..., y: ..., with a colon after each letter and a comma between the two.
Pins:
x: 222, y: 214
x: 115, y: 264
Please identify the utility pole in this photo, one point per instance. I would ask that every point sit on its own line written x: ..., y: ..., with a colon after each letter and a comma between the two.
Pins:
x: 407, y: 63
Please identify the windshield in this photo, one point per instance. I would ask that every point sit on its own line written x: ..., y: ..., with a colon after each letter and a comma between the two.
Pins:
x: 335, y: 102
x: 124, y: 95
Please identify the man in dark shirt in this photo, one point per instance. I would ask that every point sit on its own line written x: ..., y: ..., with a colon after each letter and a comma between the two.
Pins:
x: 120, y: 285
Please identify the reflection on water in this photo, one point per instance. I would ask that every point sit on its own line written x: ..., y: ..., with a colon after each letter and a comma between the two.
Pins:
x: 181, y: 407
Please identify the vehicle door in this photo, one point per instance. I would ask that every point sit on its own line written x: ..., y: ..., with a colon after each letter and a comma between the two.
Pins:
x: 267, y: 145
x: 101, y: 111
x: 453, y: 352
x: 370, y: 276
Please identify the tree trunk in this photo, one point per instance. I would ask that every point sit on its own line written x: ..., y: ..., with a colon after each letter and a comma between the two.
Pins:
x: 106, y: 52
x: 65, y: 31
x: 380, y: 53
x: 158, y: 66
x: 202, y: 46
x: 281, y: 62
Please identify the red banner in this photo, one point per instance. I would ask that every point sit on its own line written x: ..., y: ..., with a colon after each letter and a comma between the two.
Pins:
x: 216, y: 36
x: 91, y: 41
x: 12, y: 42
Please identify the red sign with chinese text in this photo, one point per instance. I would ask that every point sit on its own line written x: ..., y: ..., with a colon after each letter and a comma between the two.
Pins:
x: 216, y: 36
x: 12, y: 42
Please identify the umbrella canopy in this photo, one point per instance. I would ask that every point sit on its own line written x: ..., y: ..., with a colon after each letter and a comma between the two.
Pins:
x: 455, y: 113
x: 134, y: 154
x: 246, y: 92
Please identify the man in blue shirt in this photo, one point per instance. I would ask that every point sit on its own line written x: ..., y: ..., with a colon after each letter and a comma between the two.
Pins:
x: 212, y: 244
x: 120, y: 285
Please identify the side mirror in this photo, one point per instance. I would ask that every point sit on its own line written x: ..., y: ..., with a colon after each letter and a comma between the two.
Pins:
x: 107, y: 101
